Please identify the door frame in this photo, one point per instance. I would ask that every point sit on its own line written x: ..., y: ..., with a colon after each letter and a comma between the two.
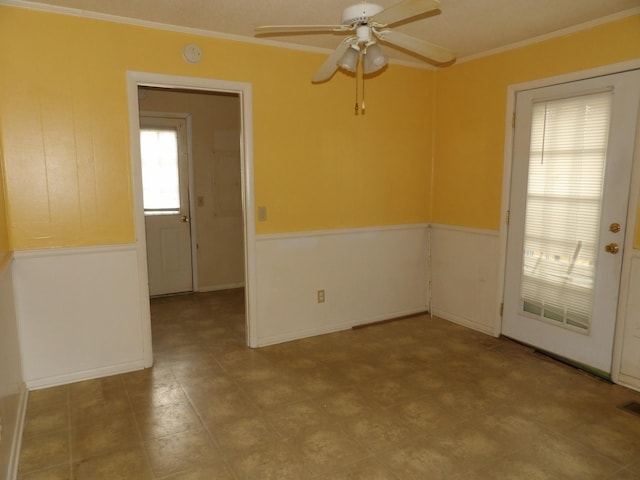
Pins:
x: 512, y: 91
x: 137, y: 79
x: 192, y: 210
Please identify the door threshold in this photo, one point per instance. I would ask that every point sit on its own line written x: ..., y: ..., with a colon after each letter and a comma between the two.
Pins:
x: 601, y: 374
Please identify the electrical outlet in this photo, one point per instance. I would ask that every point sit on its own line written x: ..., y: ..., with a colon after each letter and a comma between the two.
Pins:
x: 320, y: 296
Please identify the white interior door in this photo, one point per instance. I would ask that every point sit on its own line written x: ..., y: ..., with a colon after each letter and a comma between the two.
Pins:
x: 165, y: 183
x: 573, y: 149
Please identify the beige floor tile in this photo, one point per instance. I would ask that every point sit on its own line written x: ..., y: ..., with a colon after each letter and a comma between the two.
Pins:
x: 144, y: 396
x: 617, y: 437
x: 625, y: 474
x: 369, y: 469
x: 419, y: 398
x: 298, y: 417
x: 129, y: 464
x: 419, y: 460
x: 345, y: 404
x: 568, y: 458
x: 42, y: 418
x: 156, y: 422
x: 228, y: 405
x: 183, y: 452
x: 59, y: 472
x: 270, y: 461
x: 217, y: 472
x: 96, y: 400
x: 45, y: 450
x: 240, y: 436
x: 49, y: 396
x: 378, y: 431
x: 103, y: 436
x: 516, y: 467
x: 327, y: 449
x: 274, y: 393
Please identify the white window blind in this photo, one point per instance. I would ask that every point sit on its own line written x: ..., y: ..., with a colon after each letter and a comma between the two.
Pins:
x: 564, y: 196
x: 160, y: 175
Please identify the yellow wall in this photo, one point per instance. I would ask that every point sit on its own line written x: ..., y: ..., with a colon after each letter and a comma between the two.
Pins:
x: 63, y: 108
x: 471, y: 109
x: 64, y: 116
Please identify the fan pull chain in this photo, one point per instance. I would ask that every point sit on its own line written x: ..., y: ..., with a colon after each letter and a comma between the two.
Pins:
x: 363, y: 106
x: 357, y: 106
x: 359, y: 74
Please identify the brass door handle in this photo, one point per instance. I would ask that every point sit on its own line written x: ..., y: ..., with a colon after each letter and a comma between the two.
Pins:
x: 612, y: 248
x: 184, y: 218
x: 614, y: 227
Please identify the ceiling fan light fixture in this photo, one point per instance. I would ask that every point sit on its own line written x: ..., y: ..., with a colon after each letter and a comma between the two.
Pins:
x: 349, y: 61
x: 374, y: 59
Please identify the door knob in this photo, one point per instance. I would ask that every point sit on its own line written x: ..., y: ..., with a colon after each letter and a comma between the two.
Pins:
x: 614, y: 227
x: 184, y: 218
x: 612, y: 248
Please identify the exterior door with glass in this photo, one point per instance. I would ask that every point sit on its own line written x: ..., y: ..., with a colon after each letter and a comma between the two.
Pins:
x: 165, y: 184
x: 572, y: 158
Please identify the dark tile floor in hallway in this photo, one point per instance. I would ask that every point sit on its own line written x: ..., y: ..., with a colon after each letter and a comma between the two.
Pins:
x: 419, y: 398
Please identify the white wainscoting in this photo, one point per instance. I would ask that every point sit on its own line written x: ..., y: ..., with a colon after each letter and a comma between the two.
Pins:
x: 13, y: 394
x: 629, y: 324
x: 81, y: 313
x: 464, y: 276
x: 368, y: 274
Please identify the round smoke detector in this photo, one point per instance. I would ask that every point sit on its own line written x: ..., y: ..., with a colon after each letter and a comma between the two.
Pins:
x: 360, y: 13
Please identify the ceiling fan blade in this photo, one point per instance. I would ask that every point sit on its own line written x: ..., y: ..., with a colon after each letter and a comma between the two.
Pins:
x: 267, y: 29
x: 418, y: 46
x: 330, y: 65
x: 405, y: 9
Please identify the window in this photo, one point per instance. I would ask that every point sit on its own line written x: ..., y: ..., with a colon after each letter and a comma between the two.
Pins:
x: 160, y: 177
x: 564, y: 198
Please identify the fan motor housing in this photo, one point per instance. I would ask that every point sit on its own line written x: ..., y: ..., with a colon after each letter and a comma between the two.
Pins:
x: 360, y: 13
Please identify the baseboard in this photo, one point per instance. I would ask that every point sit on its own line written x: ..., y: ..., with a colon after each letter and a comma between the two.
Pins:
x: 16, y: 444
x: 627, y: 381
x: 79, y: 376
x: 226, y: 286
x: 289, y: 337
x: 465, y: 322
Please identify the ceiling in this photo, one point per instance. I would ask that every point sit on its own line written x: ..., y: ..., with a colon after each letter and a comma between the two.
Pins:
x: 469, y: 27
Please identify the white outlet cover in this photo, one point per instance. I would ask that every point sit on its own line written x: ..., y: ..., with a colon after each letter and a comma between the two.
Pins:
x: 192, y: 53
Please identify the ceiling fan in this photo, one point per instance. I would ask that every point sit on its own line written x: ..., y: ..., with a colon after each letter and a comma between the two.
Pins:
x: 368, y: 24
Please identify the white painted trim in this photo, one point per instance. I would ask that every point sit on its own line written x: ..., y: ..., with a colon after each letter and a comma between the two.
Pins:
x: 58, y: 252
x: 81, y: 375
x: 339, y: 231
x: 457, y: 228
x: 16, y: 444
x: 628, y: 253
x: 74, y: 12
x: 226, y: 286
x: 600, y: 71
x: 244, y: 91
x: 558, y: 33
x: 464, y: 321
x: 461, y: 241
x: 339, y: 327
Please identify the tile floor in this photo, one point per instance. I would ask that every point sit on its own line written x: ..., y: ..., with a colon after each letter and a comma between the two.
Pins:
x: 419, y: 398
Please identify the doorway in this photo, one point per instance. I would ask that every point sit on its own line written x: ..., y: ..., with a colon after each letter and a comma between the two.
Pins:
x: 242, y: 91
x: 568, y: 207
x: 166, y: 184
